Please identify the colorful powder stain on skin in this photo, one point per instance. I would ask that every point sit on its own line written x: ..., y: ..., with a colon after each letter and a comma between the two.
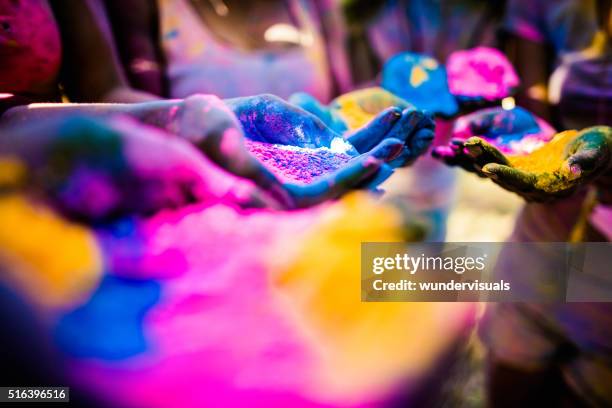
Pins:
x: 296, y: 164
x: 57, y: 275
x: 512, y: 131
x: 548, y: 158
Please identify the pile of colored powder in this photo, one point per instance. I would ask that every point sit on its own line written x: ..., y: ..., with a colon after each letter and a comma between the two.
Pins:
x: 54, y: 262
x: 359, y: 107
x: 353, y: 114
x: 297, y: 164
x: 481, y: 72
x: 263, y: 294
x: 548, y: 158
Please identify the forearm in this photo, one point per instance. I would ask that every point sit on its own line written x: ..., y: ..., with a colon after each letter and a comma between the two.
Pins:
x: 157, y: 113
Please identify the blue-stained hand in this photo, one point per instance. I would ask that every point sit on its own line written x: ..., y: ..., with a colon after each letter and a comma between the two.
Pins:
x: 367, y: 117
x: 269, y: 119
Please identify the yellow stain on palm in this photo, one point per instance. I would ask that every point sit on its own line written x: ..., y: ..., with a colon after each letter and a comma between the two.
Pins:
x: 418, y: 75
x: 359, y: 107
x: 55, y: 262
x: 364, y: 347
x: 12, y: 171
x: 548, y: 158
x: 547, y: 161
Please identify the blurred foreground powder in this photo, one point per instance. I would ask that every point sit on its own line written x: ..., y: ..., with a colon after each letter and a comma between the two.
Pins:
x: 297, y: 164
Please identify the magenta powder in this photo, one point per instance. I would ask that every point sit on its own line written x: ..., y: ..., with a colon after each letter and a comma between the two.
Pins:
x: 481, y: 72
x: 296, y: 164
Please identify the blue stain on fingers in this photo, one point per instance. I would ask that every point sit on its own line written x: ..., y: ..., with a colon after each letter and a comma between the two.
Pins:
x: 417, y: 129
x: 379, y: 128
x: 110, y: 325
x: 327, y: 115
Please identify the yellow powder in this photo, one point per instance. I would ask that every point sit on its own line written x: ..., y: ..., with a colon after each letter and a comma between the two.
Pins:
x: 548, y: 158
x: 359, y: 107
x: 364, y: 346
x: 55, y: 262
x: 12, y: 171
x: 353, y: 115
x: 417, y: 76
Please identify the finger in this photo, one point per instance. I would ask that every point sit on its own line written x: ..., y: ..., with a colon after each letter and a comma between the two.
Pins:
x: 590, y: 151
x: 411, y: 121
x: 371, y: 134
x: 483, y: 153
x: 260, y: 199
x: 310, y: 104
x: 387, y: 150
x: 582, y: 163
x: 356, y: 173
x: 510, y: 178
x: 421, y: 140
x: 232, y: 156
x: 267, y: 181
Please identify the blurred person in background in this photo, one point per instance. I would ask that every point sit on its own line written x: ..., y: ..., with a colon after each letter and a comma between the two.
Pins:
x: 559, y: 353
x: 231, y: 48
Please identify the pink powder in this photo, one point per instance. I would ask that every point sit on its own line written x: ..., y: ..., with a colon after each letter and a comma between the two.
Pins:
x: 296, y: 164
x: 481, y: 72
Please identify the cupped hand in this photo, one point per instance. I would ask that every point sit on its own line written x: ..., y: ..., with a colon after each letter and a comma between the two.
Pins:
x: 269, y: 119
x: 514, y: 131
x: 220, y: 129
x: 569, y: 161
x: 372, y: 115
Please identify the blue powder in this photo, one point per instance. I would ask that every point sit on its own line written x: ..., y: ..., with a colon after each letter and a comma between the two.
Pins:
x: 110, y: 325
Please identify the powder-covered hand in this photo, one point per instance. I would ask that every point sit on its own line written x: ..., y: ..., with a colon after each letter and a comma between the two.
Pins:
x: 369, y: 116
x: 209, y: 123
x: 96, y: 170
x: 514, y: 131
x: 269, y: 119
x: 567, y: 162
x: 221, y: 128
